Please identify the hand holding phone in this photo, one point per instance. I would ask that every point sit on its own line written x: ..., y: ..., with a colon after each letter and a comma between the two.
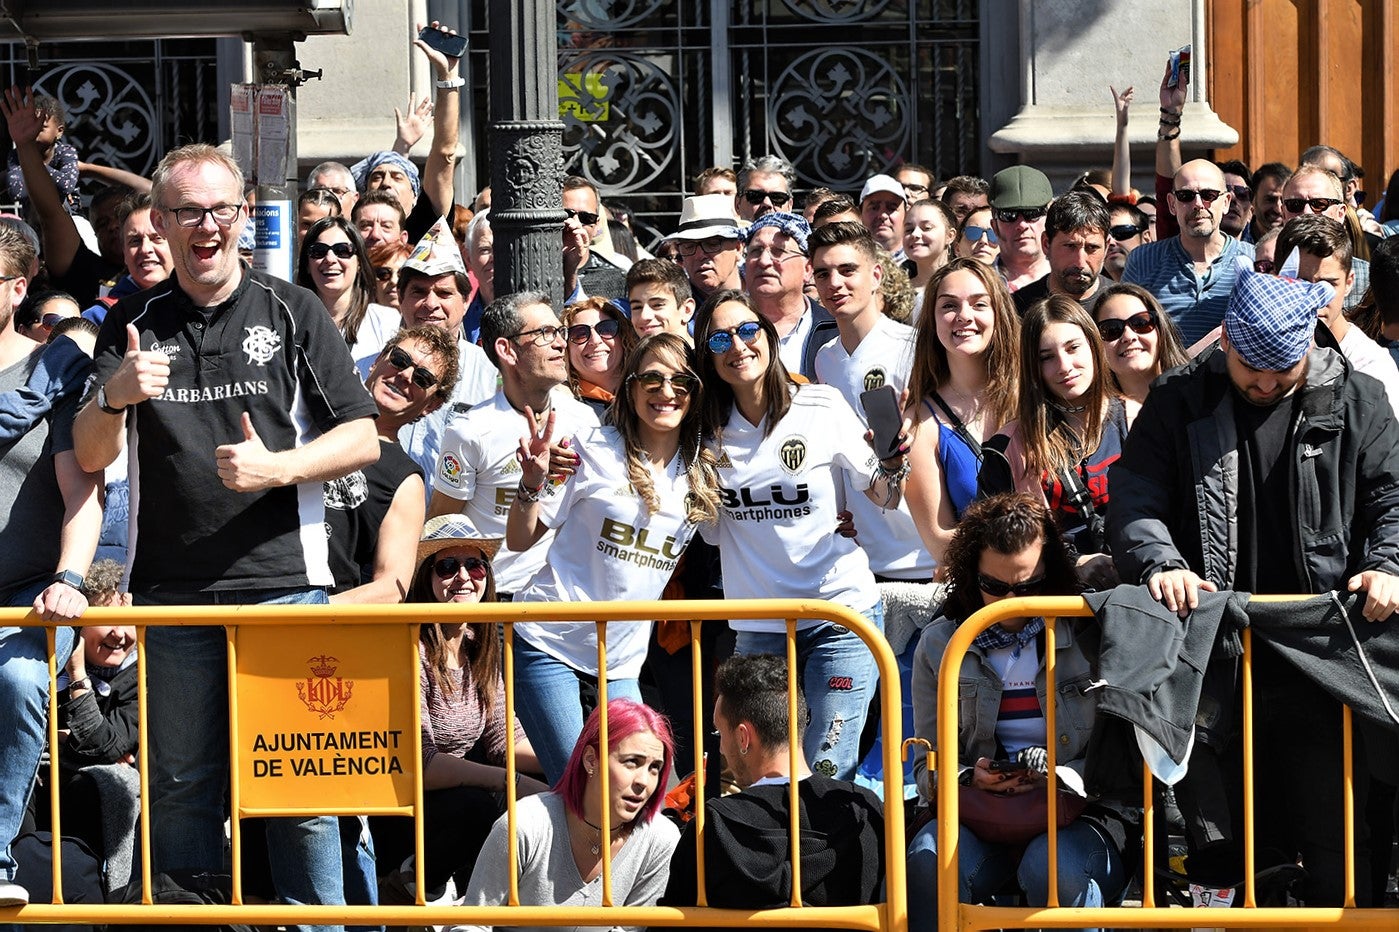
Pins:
x: 885, y: 419
x: 439, y: 40
x: 1007, y: 766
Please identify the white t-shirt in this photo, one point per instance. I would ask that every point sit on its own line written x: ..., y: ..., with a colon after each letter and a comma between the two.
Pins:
x: 477, y: 380
x: 884, y: 357
x: 1369, y: 357
x: 478, y: 467
x: 379, y: 324
x: 606, y: 547
x: 779, y: 496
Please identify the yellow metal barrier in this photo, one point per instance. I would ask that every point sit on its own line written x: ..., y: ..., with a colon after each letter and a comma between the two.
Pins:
x: 954, y: 916
x: 889, y: 916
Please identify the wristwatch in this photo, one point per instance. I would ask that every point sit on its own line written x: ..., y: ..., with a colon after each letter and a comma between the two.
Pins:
x: 69, y: 578
x: 102, y: 402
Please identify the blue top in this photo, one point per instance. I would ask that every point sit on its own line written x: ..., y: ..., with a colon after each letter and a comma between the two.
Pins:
x: 1195, y: 303
x: 959, y: 463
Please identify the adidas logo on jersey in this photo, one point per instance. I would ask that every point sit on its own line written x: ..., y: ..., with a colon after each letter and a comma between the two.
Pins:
x: 723, y: 462
x: 512, y: 466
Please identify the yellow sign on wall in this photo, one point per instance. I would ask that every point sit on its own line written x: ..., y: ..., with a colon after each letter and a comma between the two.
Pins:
x: 325, y: 718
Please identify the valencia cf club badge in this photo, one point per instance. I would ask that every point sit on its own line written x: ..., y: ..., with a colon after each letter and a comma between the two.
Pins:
x: 323, y: 692
x: 874, y: 378
x: 792, y: 454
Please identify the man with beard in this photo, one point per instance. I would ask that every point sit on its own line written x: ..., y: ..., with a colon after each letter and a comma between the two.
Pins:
x: 1238, y: 181
x: 1193, y: 273
x: 1075, y: 240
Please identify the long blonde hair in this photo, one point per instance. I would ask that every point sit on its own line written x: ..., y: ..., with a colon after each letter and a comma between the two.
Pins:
x: 700, y: 466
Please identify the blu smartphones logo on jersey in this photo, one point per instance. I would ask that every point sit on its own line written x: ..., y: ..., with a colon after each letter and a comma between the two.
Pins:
x: 747, y: 504
x: 631, y: 545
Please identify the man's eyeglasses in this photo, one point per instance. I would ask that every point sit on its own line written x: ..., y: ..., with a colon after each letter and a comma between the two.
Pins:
x: 712, y: 246
x: 1319, y: 205
x: 223, y: 214
x: 1124, y: 231
x: 974, y: 234
x: 398, y: 358
x: 384, y: 273
x: 915, y: 191
x: 1028, y: 215
x: 447, y: 567
x: 541, y: 336
x: 756, y: 253
x: 682, y: 383
x: 585, y: 217
x: 1111, y: 330
x: 1206, y: 195
x: 721, y: 341
x: 993, y: 586
x: 606, y: 329
x: 321, y: 250
x: 756, y: 197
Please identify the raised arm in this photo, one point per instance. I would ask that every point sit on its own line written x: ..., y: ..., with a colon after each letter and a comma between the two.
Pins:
x: 1122, y: 149
x: 116, y: 176
x: 60, y: 234
x: 523, y: 526
x: 446, y: 126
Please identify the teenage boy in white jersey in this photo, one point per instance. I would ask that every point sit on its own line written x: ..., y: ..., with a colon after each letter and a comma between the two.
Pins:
x: 870, y: 351
x: 477, y: 472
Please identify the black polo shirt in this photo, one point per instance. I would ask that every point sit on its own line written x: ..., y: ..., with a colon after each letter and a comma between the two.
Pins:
x: 271, y: 350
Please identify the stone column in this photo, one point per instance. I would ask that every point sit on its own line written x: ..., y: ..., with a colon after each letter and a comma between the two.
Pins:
x: 526, y: 148
x: 1070, y: 51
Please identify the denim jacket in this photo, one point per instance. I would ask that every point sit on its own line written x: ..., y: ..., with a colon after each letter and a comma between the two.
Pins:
x: 979, y: 697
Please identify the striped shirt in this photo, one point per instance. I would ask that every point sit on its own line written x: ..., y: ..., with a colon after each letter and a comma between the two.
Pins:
x: 1196, y: 304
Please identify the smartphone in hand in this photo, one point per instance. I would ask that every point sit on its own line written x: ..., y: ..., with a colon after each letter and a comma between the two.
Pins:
x: 885, y: 419
x: 1007, y: 766
x: 444, y: 42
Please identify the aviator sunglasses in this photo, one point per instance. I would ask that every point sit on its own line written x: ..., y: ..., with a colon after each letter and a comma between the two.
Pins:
x: 721, y: 341
x: 447, y: 567
x: 606, y: 329
x: 681, y: 383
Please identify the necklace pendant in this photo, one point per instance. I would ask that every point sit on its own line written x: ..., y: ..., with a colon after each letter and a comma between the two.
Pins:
x: 596, y: 848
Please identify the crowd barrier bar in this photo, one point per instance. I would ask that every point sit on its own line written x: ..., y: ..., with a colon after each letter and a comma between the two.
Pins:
x: 954, y: 916
x: 889, y: 916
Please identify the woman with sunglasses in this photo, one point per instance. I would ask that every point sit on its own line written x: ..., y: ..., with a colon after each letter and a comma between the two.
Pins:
x: 930, y: 229
x: 335, y: 265
x: 465, y: 736
x: 787, y: 454
x: 621, y: 523
x: 386, y: 259
x: 1008, y: 546
x: 600, y: 338
x: 1069, y: 428
x: 1140, y: 340
x: 976, y: 239
x: 964, y: 386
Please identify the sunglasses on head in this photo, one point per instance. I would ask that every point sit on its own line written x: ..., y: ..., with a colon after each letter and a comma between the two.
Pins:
x: 1206, y: 195
x: 993, y: 586
x: 976, y: 233
x: 606, y: 329
x: 383, y: 272
x: 721, y: 341
x: 320, y: 250
x: 1124, y: 231
x: 1028, y: 214
x: 585, y: 217
x: 756, y: 197
x: 400, y: 360
x: 1111, y: 330
x: 1318, y: 205
x: 682, y: 383
x: 447, y: 567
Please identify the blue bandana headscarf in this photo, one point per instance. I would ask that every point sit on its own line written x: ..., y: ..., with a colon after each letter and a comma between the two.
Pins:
x: 361, y: 169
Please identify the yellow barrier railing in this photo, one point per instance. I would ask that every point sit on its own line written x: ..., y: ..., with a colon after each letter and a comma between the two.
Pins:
x: 954, y: 916
x: 889, y: 916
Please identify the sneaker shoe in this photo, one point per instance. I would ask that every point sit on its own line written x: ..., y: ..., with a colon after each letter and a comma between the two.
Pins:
x: 12, y: 894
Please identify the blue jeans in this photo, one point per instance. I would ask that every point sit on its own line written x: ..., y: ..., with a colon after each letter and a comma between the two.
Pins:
x: 1091, y: 872
x: 187, y: 688
x: 547, y: 703
x: 838, y: 675
x: 24, y: 695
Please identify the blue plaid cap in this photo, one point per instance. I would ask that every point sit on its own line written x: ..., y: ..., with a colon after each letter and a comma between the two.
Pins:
x: 361, y: 169
x: 1271, y: 319
x: 794, y: 225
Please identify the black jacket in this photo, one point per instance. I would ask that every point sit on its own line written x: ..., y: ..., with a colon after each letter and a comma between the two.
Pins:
x: 104, y: 728
x: 1176, y: 495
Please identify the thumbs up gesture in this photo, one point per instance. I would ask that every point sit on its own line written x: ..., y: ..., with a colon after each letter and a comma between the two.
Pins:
x: 142, y: 374
x: 248, y: 466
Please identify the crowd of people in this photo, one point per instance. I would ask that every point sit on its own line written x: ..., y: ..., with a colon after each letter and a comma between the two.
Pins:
x: 936, y: 394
